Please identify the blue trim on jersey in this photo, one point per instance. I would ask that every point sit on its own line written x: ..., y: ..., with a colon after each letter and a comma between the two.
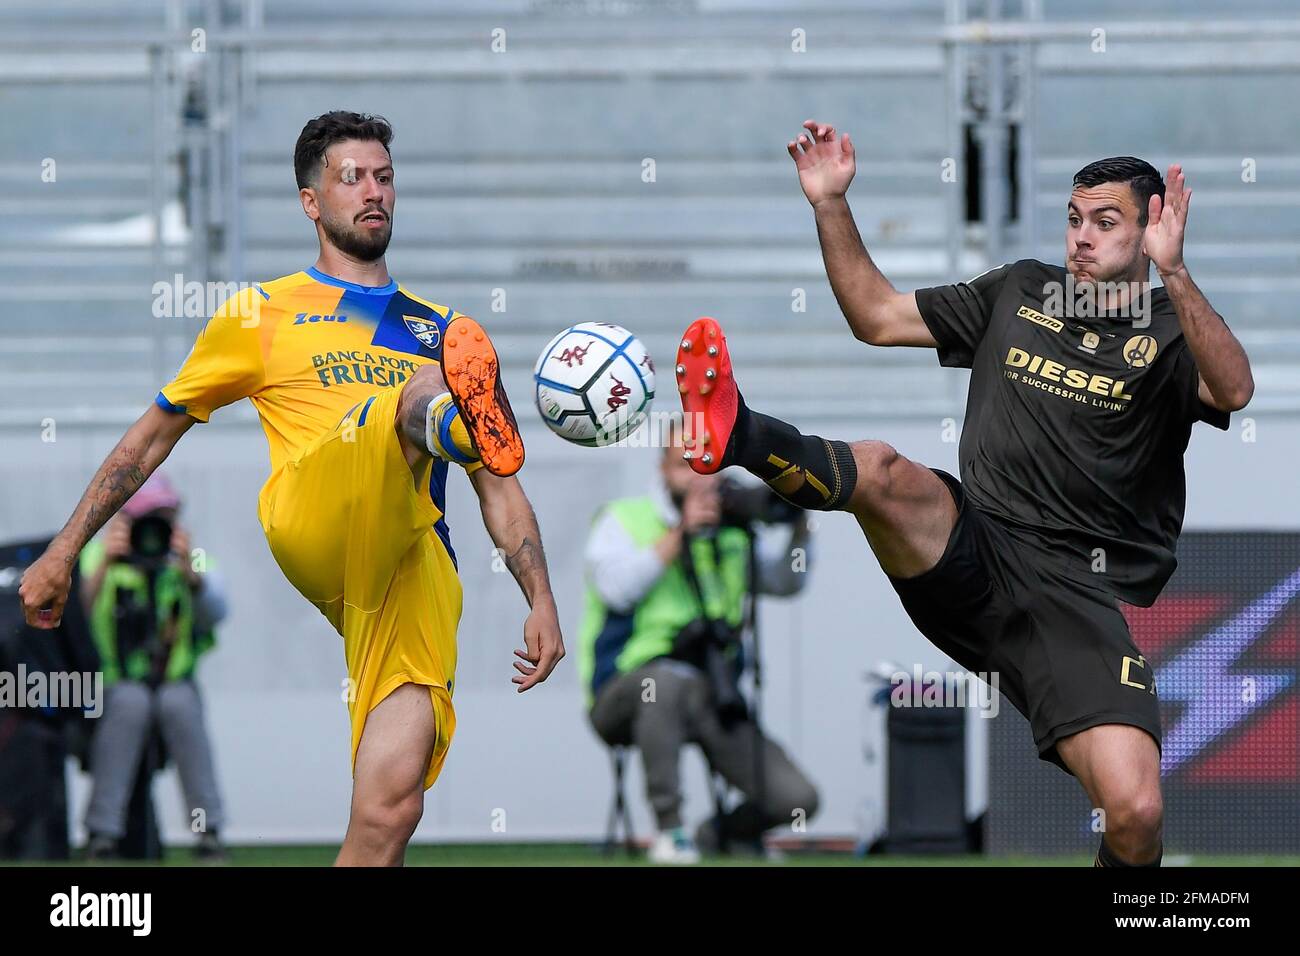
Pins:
x: 162, y: 402
x: 361, y: 419
x: 348, y: 414
x: 444, y: 435
x: 438, y: 493
x: 364, y: 308
x: 352, y: 286
x: 265, y: 295
x: 392, y: 332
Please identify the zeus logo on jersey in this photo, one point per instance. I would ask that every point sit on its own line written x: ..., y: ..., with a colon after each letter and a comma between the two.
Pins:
x: 303, y: 318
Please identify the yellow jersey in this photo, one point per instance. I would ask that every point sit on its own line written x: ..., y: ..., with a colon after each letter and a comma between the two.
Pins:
x: 306, y: 349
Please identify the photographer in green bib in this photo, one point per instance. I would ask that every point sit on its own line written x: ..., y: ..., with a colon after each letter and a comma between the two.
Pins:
x: 153, y: 606
x: 671, y: 579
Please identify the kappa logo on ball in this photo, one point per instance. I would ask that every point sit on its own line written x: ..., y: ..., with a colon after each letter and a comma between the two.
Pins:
x: 571, y: 355
x: 428, y: 333
x: 617, y: 395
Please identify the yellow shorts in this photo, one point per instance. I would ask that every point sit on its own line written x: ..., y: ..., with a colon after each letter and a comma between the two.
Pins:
x: 352, y: 530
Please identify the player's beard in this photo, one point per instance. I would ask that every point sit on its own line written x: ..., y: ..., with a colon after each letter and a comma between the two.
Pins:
x: 367, y: 245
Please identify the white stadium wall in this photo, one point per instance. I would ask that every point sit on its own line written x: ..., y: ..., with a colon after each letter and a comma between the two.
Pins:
x: 273, y: 685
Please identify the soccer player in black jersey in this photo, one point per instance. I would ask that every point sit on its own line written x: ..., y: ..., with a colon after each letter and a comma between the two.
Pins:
x: 1085, y: 383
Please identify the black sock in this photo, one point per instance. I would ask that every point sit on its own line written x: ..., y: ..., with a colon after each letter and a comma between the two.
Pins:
x: 1107, y: 857
x: 805, y: 470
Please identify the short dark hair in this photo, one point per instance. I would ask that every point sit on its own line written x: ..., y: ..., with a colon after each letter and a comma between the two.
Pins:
x: 330, y: 128
x: 1140, y: 176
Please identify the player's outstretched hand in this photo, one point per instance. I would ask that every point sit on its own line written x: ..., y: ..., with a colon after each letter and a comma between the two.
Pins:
x: 1163, y: 239
x: 826, y: 163
x: 44, y: 588
x: 544, y: 646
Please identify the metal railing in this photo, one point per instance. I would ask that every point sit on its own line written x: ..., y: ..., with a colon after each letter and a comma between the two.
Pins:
x: 205, y: 90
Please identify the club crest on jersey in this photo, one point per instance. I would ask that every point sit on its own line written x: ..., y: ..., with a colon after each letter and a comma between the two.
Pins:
x: 1140, y: 351
x: 428, y: 333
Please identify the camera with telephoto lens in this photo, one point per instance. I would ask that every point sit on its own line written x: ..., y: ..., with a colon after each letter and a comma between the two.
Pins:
x: 745, y: 504
x: 714, y: 647
x: 151, y: 540
x: 135, y: 614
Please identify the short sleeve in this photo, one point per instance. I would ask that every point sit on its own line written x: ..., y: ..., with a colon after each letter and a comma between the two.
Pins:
x: 1187, y: 380
x: 225, y: 363
x: 958, y: 315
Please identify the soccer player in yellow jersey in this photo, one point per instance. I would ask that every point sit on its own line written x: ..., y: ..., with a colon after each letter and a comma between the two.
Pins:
x: 367, y: 394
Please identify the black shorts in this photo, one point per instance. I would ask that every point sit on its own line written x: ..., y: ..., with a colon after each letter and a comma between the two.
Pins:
x: 1060, y: 646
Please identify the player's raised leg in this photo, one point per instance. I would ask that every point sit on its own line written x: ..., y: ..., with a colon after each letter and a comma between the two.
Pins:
x: 460, y: 411
x: 1119, y: 767
x: 388, y: 778
x: 905, y: 510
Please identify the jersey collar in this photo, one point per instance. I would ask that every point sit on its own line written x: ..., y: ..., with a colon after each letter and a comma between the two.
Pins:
x: 352, y: 286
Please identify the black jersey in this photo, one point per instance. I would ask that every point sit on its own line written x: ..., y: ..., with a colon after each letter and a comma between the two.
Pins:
x: 1076, y: 423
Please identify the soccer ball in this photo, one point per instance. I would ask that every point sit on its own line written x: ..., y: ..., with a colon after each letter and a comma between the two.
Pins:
x: 594, y: 383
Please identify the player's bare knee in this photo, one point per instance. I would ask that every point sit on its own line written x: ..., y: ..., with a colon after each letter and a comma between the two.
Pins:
x: 409, y: 812
x: 426, y: 384
x: 1148, y: 816
x: 1136, y: 822
x: 876, y: 461
x: 392, y: 819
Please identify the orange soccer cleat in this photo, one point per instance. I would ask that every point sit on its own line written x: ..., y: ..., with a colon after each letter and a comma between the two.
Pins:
x: 473, y: 374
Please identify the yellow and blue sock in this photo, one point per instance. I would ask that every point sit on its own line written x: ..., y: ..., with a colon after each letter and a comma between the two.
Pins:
x: 445, y: 433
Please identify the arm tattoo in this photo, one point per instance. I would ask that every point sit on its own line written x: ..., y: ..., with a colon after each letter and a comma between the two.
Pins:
x: 415, y: 421
x: 117, y: 480
x: 526, y: 558
x: 528, y: 561
x: 512, y: 525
